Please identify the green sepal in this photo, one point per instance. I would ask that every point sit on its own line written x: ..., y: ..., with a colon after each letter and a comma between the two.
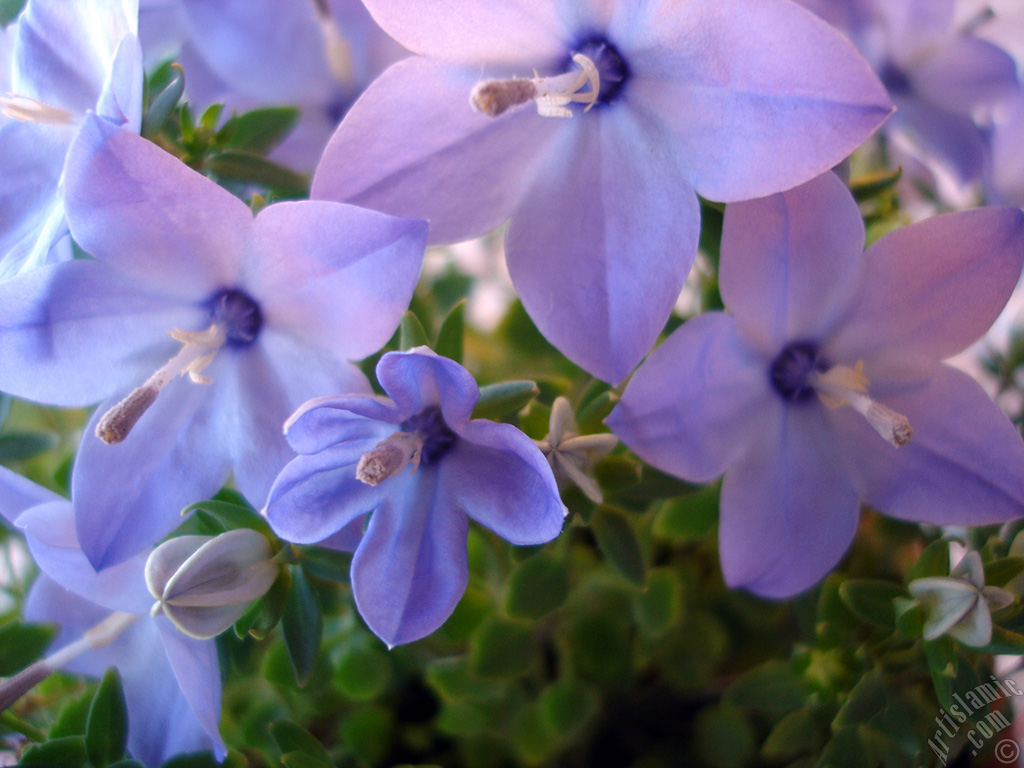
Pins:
x: 499, y: 400
x: 163, y: 104
x: 259, y: 130
x: 106, y: 729
x: 232, y: 516
x: 450, y: 336
x: 411, y: 333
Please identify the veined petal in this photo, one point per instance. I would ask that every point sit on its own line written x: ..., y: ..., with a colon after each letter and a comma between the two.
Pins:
x: 136, y: 207
x: 434, y: 157
x: 73, y: 333
x: 316, y: 496
x: 761, y: 95
x: 947, y: 602
x: 130, y: 495
x: 964, y: 73
x: 420, y: 379
x: 497, y: 476
x: 336, y: 275
x: 120, y: 101
x: 18, y: 494
x: 412, y: 566
x: 600, y: 247
x: 964, y: 465
x: 195, y: 667
x: 788, y: 509
x: 952, y: 140
x: 326, y: 421
x: 688, y: 409
x: 899, y: 321
x: 475, y: 31
x: 791, y: 261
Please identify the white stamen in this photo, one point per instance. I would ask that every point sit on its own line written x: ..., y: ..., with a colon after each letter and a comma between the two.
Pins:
x: 31, y: 111
x: 842, y: 385
x: 389, y: 457
x: 337, y: 50
x: 198, y: 350
x: 552, y: 94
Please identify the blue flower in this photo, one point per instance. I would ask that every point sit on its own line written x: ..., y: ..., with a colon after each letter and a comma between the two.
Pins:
x: 421, y: 466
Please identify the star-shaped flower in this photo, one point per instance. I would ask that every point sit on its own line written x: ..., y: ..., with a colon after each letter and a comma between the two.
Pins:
x: 572, y: 455
x: 732, y: 99
x: 268, y: 310
x: 823, y: 384
x: 422, y: 467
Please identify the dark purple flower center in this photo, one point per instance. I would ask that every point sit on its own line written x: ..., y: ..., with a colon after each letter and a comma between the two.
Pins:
x: 610, y: 64
x: 437, y: 437
x: 791, y: 370
x: 240, y: 315
x: 894, y: 80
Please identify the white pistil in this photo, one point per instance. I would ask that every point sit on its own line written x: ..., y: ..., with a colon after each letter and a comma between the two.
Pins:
x: 337, y: 50
x: 31, y: 111
x: 198, y: 350
x: 552, y: 94
x: 389, y: 457
x: 842, y: 385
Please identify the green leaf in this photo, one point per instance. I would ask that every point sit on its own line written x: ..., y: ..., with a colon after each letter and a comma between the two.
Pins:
x: 10, y: 720
x: 452, y: 679
x: 1000, y: 572
x: 302, y: 624
x: 461, y: 718
x: 127, y: 764
x: 537, y: 586
x: 211, y: 116
x: 872, y: 600
x: 411, y: 333
x: 657, y: 607
x: 106, y: 729
x: 618, y: 543
x: 253, y: 169
x: 689, y: 517
x: 568, y: 706
x: 195, y: 760
x: 9, y: 10
x: 797, y: 733
x: 326, y: 563
x: 615, y: 474
x: 771, y: 686
x: 449, y: 338
x: 18, y: 446
x: 65, y: 752
x: 23, y: 644
x: 232, y: 516
x: 72, y: 718
x: 300, y: 760
x: 264, y: 614
x: 591, y: 416
x: 501, y: 648
x: 724, y: 737
x: 368, y: 731
x: 871, y: 184
x: 292, y: 738
x: 499, y: 400
x: 162, y: 104
x: 363, y: 672
x: 260, y: 130
x: 846, y: 749
x: 934, y: 561
x: 909, y: 616
x: 867, y: 698
x: 942, y: 663
x: 1005, y: 642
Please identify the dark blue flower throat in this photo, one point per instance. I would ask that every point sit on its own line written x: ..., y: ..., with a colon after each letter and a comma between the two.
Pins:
x: 610, y: 64
x: 239, y: 314
x: 791, y: 370
x: 895, y: 80
x: 437, y: 437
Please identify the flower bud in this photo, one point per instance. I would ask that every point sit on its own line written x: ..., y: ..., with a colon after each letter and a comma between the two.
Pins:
x: 204, y: 584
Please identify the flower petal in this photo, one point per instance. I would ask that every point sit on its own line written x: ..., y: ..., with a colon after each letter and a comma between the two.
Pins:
x: 946, y: 601
x: 412, y: 566
x: 688, y: 408
x: 791, y: 261
x: 964, y: 464
x: 600, y: 247
x: 760, y: 95
x: 17, y: 494
x: 133, y: 205
x: 964, y: 73
x: 788, y: 509
x: 335, y: 275
x: 497, y: 476
x: 952, y: 140
x: 326, y: 421
x: 899, y: 321
x: 420, y: 379
x: 433, y: 157
x: 197, y: 672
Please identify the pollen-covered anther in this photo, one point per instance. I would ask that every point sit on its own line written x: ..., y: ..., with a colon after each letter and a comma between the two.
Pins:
x: 551, y: 94
x: 389, y: 457
x: 197, y: 351
x: 31, y: 111
x: 842, y: 385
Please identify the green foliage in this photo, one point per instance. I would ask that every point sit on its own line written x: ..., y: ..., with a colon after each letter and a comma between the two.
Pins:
x: 22, y: 644
x: 106, y: 729
x: 302, y: 626
x: 537, y: 586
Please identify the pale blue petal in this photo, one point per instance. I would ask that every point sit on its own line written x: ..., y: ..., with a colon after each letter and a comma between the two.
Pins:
x: 688, y: 408
x: 197, y: 672
x: 1007, y: 175
x: 497, y: 476
x: 18, y: 494
x: 965, y: 73
x: 420, y: 379
x: 325, y: 421
x: 120, y: 102
x: 952, y: 140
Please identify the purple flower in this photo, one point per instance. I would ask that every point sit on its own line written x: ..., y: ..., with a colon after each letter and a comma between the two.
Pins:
x: 421, y: 466
x: 827, y: 361
x: 68, y: 58
x: 729, y: 98
x: 171, y: 681
x: 939, y: 75
x: 267, y: 310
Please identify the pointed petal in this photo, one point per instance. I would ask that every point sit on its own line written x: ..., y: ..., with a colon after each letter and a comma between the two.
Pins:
x: 946, y: 602
x: 599, y: 250
x: 789, y: 511
x: 791, y: 261
x: 761, y: 96
x: 420, y: 379
x: 687, y: 410
x: 18, y: 494
x: 326, y: 421
x: 970, y: 569
x: 497, y: 476
x: 898, y: 321
x: 411, y: 568
x: 965, y: 73
x: 50, y: 531
x: 976, y: 628
x: 120, y: 101
x: 132, y: 205
x: 964, y: 464
x: 316, y: 496
x: 165, y: 560
x: 435, y: 158
x: 952, y: 140
x: 319, y: 267
x: 197, y: 672
x: 130, y: 495
x: 233, y: 567
x: 476, y: 31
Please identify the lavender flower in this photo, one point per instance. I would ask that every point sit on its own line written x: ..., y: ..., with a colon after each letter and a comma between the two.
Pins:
x: 823, y: 385
x: 421, y: 466
x: 731, y: 98
x: 267, y: 310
